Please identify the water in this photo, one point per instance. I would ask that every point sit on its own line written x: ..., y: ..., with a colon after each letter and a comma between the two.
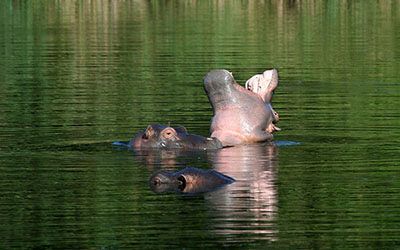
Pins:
x: 76, y: 76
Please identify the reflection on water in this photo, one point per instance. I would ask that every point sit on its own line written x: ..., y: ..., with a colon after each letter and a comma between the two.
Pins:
x: 246, y: 207
x: 249, y: 206
x: 169, y: 159
x: 78, y: 75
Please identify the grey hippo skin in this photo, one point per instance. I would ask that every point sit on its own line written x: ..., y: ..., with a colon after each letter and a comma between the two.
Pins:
x: 158, y: 136
x: 240, y: 115
x: 188, y: 180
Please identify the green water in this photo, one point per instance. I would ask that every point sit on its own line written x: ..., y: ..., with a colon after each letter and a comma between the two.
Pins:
x: 78, y: 75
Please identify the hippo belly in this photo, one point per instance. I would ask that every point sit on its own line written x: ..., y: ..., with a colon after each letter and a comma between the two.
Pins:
x: 234, y: 126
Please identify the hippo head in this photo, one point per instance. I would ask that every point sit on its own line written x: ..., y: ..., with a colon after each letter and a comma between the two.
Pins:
x: 165, y: 137
x: 164, y: 181
x: 188, y: 180
x: 264, y: 84
x: 219, y: 87
x: 157, y: 136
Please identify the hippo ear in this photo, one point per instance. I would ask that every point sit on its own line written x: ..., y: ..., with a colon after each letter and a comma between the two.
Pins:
x: 149, y: 132
x: 181, y: 129
x: 168, y: 133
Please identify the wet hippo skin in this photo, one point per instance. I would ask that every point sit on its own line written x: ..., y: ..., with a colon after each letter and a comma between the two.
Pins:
x: 188, y: 180
x: 159, y: 136
x: 264, y: 85
x: 240, y: 115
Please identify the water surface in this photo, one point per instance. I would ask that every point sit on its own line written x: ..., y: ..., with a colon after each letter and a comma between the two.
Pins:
x: 76, y: 76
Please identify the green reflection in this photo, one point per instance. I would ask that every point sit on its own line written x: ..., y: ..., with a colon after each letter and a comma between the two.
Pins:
x: 84, y: 72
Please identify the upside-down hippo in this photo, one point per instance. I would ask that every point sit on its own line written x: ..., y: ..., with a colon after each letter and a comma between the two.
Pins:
x: 159, y: 136
x: 188, y: 180
x: 241, y: 115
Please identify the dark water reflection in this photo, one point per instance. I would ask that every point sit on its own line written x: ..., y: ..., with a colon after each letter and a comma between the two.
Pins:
x: 78, y: 75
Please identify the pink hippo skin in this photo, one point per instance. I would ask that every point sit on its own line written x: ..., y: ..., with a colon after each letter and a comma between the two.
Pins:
x: 264, y: 85
x: 241, y: 116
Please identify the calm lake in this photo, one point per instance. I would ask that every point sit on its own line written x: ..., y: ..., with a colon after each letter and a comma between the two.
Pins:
x: 77, y: 75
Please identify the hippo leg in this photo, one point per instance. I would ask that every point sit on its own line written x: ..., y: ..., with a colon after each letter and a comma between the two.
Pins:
x: 272, y: 128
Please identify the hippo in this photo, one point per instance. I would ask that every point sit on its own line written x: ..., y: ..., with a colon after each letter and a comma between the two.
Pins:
x: 157, y: 136
x: 241, y: 115
x: 189, y: 180
x: 264, y: 85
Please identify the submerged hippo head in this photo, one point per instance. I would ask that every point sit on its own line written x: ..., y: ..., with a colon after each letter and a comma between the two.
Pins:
x: 165, y: 137
x: 188, y: 180
x: 164, y: 181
